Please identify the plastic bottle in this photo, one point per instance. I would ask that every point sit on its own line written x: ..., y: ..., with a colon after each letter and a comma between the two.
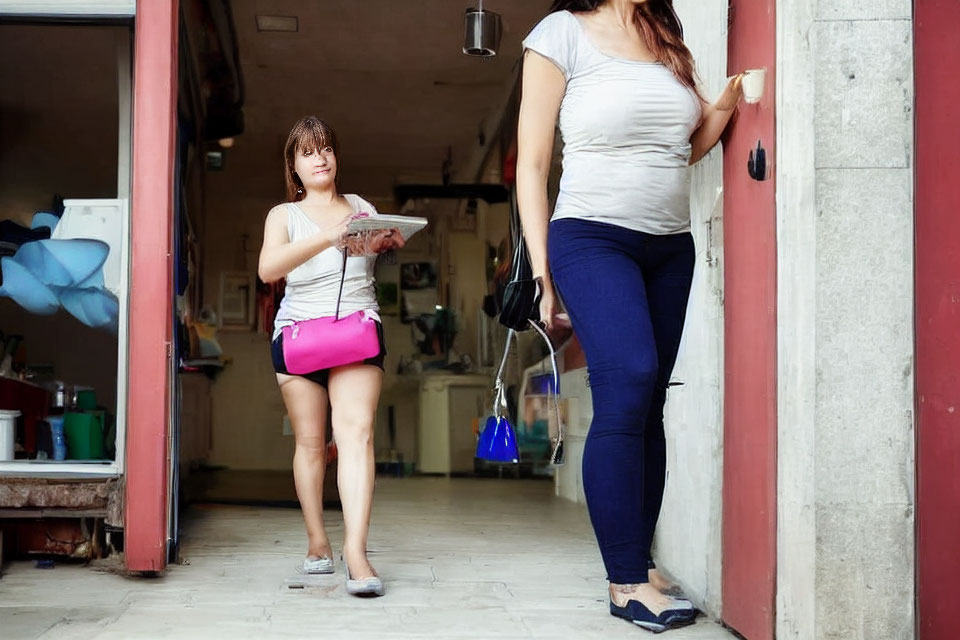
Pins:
x: 58, y: 437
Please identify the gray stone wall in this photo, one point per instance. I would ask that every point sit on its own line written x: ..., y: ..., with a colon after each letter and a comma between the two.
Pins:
x: 846, y: 309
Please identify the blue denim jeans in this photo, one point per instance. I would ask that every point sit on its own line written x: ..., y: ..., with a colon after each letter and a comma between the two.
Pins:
x: 626, y: 293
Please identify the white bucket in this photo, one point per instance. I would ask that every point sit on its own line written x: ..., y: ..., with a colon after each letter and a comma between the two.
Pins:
x: 8, y: 432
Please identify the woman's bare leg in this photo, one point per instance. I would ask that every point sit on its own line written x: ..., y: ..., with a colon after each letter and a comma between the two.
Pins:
x: 354, y: 394
x: 306, y: 403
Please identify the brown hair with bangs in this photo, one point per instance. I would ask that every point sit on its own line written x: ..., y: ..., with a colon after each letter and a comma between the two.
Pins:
x: 310, y: 133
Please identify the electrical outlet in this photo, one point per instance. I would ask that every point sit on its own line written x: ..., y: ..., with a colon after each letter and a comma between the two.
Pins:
x: 287, y: 427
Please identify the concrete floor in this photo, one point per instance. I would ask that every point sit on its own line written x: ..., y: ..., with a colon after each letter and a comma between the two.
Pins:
x: 460, y: 559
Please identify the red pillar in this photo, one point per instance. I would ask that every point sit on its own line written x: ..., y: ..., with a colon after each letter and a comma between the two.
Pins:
x: 750, y: 339
x: 937, y: 317
x: 154, y: 102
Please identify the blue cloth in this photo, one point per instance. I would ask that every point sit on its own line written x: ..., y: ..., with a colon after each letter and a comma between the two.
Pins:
x: 626, y: 293
x: 46, y: 274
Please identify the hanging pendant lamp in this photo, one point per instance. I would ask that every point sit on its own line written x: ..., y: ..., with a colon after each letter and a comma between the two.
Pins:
x: 482, y: 30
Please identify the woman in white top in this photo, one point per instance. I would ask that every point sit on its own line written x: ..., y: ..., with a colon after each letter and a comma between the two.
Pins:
x: 304, y: 240
x: 619, y: 80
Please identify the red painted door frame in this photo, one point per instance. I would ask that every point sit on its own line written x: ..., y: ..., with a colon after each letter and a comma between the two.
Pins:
x: 750, y: 338
x: 937, y: 317
x: 151, y: 284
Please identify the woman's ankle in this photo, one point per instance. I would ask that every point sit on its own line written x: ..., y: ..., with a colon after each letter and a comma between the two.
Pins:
x: 319, y: 550
x: 643, y: 592
x: 659, y: 581
x: 357, y: 561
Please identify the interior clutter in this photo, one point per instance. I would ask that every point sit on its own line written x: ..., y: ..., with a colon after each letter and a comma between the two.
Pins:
x: 63, y: 246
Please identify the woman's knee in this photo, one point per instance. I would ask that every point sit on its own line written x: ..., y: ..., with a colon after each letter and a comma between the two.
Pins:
x: 353, y: 428
x: 311, y: 447
x: 626, y: 377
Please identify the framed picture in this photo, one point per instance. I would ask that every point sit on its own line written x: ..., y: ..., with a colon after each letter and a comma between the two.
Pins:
x: 418, y: 290
x: 236, y: 300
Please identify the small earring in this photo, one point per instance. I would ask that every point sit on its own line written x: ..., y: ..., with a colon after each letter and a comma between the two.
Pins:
x: 299, y: 191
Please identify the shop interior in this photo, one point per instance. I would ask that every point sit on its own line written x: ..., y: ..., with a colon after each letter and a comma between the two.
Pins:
x: 425, y: 129
x: 64, y: 189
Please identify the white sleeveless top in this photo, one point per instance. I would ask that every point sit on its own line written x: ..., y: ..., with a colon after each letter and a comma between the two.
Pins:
x: 312, y: 288
x: 626, y: 128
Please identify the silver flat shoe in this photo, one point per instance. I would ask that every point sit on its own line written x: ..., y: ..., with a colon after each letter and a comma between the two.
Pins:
x: 313, y: 566
x: 365, y: 588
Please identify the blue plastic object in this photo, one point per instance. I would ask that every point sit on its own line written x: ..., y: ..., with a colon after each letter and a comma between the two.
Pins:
x: 58, y: 436
x: 44, y: 219
x: 498, y: 442
x: 46, y: 274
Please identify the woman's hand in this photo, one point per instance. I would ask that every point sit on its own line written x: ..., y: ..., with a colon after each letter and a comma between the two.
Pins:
x: 548, y: 304
x: 730, y: 97
x: 368, y: 243
x: 715, y: 119
x: 338, y: 234
x: 557, y: 325
x: 386, y: 240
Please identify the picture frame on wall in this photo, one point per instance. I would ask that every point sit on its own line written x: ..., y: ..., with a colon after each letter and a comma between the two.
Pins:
x: 418, y: 290
x: 236, y: 303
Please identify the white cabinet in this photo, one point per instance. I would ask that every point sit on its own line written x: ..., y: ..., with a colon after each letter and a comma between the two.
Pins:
x: 450, y: 406
x: 576, y: 404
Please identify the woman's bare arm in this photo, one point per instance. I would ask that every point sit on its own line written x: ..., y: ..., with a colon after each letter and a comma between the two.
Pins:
x: 279, y: 256
x: 543, y: 88
x: 715, y: 119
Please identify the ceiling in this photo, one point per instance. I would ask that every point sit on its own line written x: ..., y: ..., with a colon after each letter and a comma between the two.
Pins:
x: 388, y: 75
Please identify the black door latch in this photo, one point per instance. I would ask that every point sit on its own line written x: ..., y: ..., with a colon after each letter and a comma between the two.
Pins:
x: 757, y: 163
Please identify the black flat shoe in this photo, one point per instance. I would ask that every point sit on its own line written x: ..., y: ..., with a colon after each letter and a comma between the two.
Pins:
x: 677, y: 615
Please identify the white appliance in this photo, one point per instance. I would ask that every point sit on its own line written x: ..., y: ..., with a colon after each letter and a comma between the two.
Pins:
x: 449, y: 406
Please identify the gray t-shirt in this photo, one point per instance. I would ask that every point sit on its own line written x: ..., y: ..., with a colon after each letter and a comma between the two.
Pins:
x: 626, y: 128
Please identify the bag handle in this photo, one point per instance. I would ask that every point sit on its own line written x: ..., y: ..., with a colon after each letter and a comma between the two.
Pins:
x: 343, y: 276
x: 556, y: 456
x: 500, y: 397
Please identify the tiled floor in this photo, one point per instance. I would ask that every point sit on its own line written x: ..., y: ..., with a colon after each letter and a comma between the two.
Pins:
x: 460, y: 558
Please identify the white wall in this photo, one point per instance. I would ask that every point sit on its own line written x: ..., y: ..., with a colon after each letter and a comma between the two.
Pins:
x: 689, y: 533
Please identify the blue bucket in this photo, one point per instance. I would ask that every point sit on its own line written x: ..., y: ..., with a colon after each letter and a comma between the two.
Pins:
x: 498, y: 442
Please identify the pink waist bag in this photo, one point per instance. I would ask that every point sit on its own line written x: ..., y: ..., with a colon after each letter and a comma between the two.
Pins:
x: 324, y: 343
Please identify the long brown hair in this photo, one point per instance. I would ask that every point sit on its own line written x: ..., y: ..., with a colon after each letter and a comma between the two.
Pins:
x: 661, y: 29
x: 310, y: 132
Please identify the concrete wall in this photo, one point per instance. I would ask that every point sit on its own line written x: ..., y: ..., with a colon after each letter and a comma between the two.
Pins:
x: 689, y: 533
x: 845, y: 218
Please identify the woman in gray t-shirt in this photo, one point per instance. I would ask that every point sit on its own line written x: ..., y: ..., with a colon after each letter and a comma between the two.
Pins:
x: 618, y: 79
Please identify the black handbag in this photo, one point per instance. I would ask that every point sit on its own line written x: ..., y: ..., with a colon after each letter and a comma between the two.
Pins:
x: 520, y: 311
x: 521, y: 296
